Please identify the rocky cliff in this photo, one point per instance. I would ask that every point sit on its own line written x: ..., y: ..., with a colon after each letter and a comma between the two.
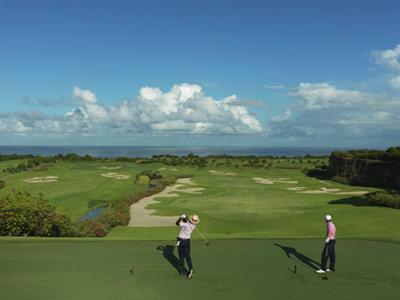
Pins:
x: 366, y: 172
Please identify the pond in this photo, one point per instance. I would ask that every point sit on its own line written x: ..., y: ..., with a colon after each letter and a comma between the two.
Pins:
x: 93, y: 213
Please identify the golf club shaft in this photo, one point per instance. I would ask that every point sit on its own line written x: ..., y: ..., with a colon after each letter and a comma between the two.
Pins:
x: 202, y: 236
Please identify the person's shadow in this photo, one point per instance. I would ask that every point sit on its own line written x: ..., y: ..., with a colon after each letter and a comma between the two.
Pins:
x: 290, y: 251
x: 168, y: 252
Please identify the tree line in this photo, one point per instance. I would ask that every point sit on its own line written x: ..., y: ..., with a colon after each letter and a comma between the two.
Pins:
x: 390, y: 154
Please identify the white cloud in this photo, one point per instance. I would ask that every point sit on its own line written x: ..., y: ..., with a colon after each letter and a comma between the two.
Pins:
x: 184, y: 109
x: 327, y: 111
x: 324, y: 95
x: 395, y: 82
x: 247, y: 103
x: 187, y: 109
x: 85, y: 96
x: 389, y: 58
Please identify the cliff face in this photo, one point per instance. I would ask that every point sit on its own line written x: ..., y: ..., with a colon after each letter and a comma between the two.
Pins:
x: 366, y: 172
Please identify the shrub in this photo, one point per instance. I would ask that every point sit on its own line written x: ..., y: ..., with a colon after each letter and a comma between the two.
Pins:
x: 23, y: 214
x: 385, y: 199
x: 94, y: 228
x: 2, y: 184
x: 143, y: 180
x: 149, y: 173
x: 340, y: 179
x: 391, y: 154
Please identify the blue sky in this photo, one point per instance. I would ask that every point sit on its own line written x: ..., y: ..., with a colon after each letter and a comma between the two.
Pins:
x: 243, y: 73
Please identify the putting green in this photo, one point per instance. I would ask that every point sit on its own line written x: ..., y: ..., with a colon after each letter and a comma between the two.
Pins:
x: 227, y: 269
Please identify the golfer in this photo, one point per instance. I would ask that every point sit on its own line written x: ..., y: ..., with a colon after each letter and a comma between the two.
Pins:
x: 183, y: 243
x: 329, y: 248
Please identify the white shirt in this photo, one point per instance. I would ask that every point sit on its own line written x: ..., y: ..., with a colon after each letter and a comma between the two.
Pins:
x: 186, y: 230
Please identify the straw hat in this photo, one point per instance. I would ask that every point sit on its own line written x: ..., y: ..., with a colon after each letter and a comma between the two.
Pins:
x: 194, y: 219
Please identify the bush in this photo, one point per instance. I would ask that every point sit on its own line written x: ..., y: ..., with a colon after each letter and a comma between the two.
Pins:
x: 149, y: 173
x: 23, y: 214
x: 94, y: 228
x: 391, y: 154
x: 2, y: 184
x: 385, y: 199
x: 143, y: 180
x: 340, y: 179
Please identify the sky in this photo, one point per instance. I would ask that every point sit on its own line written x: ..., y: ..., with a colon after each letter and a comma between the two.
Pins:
x: 200, y: 73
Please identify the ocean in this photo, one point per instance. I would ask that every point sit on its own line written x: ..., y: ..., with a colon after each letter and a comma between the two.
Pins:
x: 139, y: 151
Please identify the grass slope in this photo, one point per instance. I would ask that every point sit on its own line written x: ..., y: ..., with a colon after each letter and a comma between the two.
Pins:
x: 229, y: 207
x: 238, y: 207
x: 239, y: 269
x: 80, y: 184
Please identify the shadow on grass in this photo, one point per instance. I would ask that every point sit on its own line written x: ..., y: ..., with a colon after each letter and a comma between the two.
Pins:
x: 321, y: 174
x: 355, y: 201
x: 168, y: 253
x: 292, y: 252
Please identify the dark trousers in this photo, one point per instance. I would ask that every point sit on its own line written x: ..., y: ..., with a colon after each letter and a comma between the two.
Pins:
x: 184, y: 253
x: 329, y: 252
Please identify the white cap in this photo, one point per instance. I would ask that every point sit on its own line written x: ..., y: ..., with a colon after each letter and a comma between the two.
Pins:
x: 328, y: 218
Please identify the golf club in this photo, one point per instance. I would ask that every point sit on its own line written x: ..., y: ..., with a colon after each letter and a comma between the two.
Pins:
x: 202, y: 236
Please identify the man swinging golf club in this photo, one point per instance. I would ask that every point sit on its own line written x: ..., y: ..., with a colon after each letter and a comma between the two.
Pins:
x: 183, y: 243
x: 329, y: 248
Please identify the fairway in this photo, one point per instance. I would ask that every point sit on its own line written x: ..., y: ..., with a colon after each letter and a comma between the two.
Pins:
x: 228, y: 269
x: 77, y: 187
x: 265, y: 226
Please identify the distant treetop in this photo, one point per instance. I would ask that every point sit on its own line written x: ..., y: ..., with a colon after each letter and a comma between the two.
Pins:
x: 391, y: 154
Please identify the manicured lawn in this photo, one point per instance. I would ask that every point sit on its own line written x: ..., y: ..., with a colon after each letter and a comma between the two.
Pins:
x: 238, y: 207
x: 227, y: 269
x: 231, y: 206
x: 250, y: 225
x: 79, y: 185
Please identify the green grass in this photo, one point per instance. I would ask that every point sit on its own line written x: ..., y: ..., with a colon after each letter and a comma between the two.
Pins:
x: 237, y: 207
x: 243, y: 220
x: 229, y: 207
x: 239, y: 269
x: 80, y: 184
x: 10, y: 163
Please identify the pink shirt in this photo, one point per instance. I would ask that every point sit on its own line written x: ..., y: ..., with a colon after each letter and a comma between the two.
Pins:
x: 331, y: 231
x: 186, y: 230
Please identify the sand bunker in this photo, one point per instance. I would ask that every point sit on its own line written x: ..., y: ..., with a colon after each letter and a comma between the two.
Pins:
x: 303, y: 190
x: 43, y: 179
x: 110, y: 168
x: 359, y: 193
x: 322, y: 190
x: 298, y: 188
x: 274, y: 180
x: 219, y: 173
x: 324, y: 182
x: 115, y: 176
x: 142, y: 217
x: 167, y: 169
x: 186, y: 181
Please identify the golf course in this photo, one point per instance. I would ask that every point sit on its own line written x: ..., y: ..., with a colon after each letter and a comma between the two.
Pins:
x: 264, y: 225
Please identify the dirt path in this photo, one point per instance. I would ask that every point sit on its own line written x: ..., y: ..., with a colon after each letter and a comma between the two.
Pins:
x: 142, y: 217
